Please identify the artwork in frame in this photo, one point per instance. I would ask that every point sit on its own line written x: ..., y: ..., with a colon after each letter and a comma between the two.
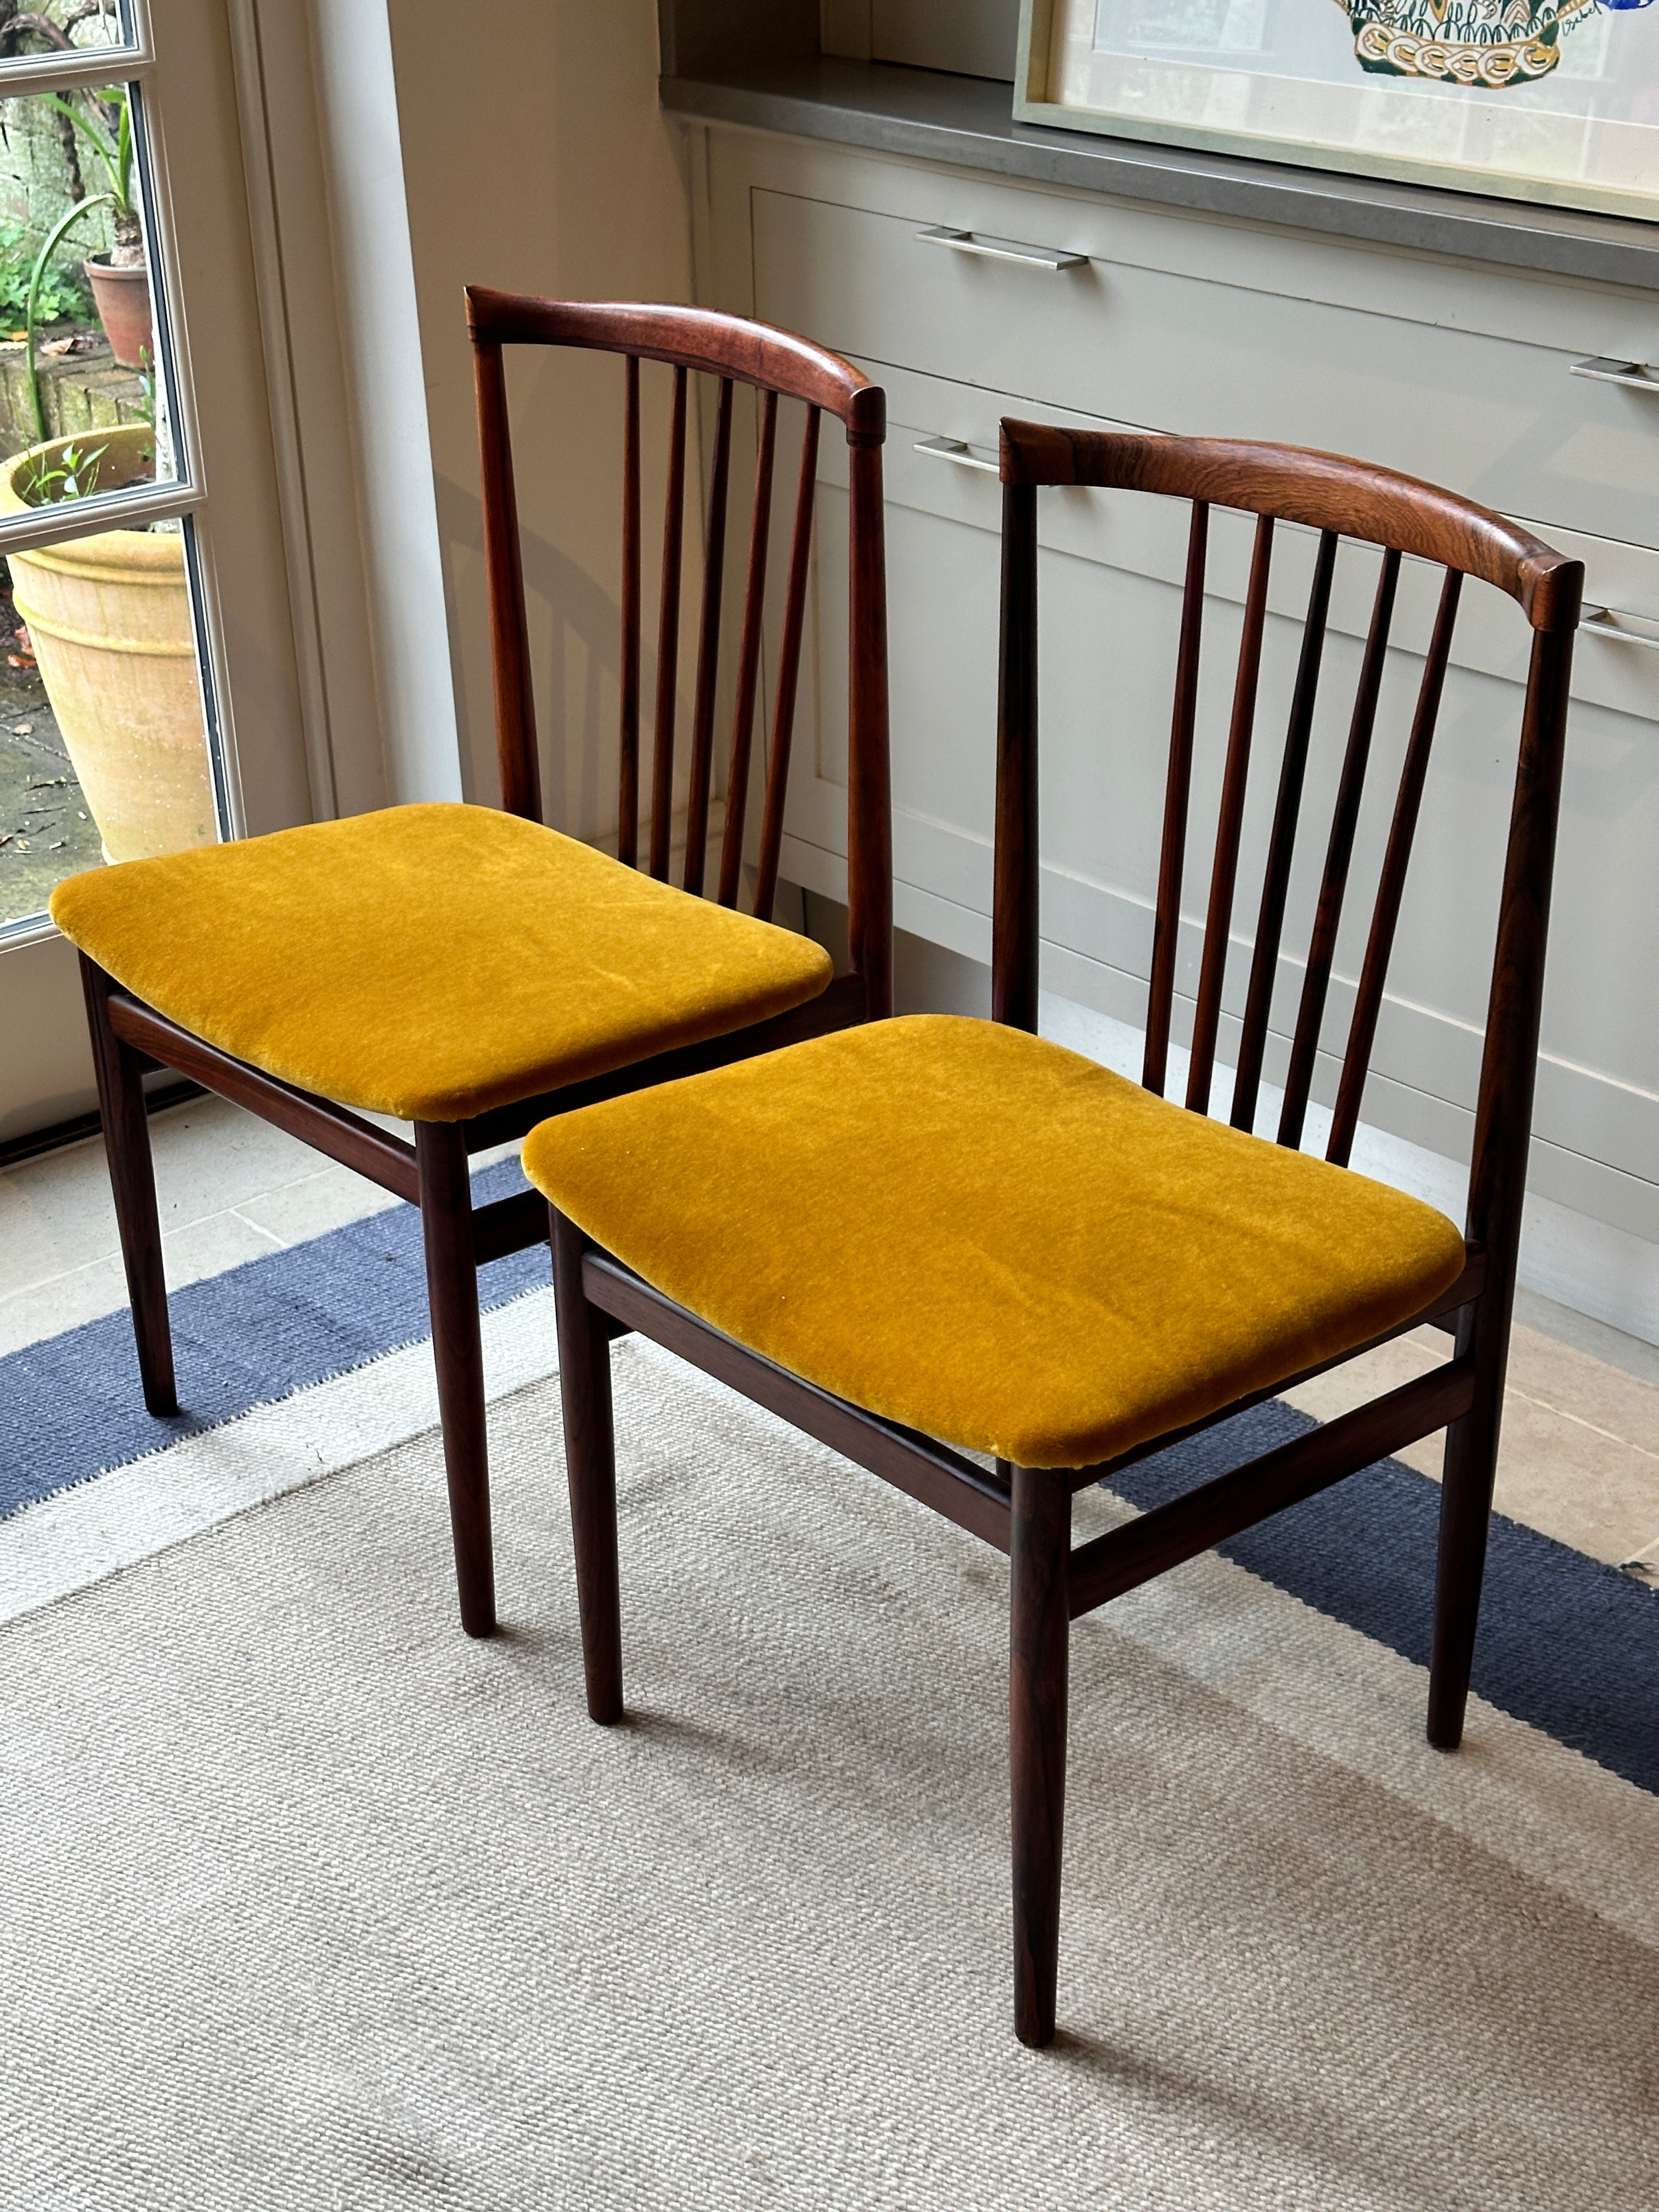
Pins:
x: 1555, y: 100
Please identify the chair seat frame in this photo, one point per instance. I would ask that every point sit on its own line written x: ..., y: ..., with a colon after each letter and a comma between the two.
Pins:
x: 131, y: 1039
x: 1026, y: 1512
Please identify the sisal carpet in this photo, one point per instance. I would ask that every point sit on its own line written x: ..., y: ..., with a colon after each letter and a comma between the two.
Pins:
x: 310, y: 1903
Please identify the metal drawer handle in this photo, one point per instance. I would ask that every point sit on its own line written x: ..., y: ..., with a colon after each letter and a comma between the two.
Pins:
x: 964, y: 456
x: 1629, y: 376
x: 1609, y: 622
x: 1001, y: 249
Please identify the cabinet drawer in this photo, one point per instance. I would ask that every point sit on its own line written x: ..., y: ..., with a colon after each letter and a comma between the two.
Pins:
x: 1502, y: 421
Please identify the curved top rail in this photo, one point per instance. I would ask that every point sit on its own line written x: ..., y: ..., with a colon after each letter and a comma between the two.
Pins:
x: 688, y: 337
x: 1323, y: 490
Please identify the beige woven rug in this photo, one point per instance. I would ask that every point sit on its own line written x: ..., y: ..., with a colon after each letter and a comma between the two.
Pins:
x: 310, y: 1903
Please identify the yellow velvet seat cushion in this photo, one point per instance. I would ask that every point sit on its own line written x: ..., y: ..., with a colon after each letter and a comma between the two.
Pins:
x: 432, y: 961
x: 989, y: 1238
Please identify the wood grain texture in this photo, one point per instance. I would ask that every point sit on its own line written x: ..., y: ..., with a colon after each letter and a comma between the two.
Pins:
x: 1444, y: 1313
x: 1040, y: 1619
x: 590, y: 1458
x: 1287, y: 808
x: 1016, y: 906
x: 708, y: 647
x: 516, y: 755
x: 452, y: 1284
x: 1503, y: 1128
x: 1391, y: 885
x: 1333, y: 883
x: 917, y: 1465
x: 1177, y: 794
x: 1224, y: 872
x: 748, y: 658
x: 869, y: 792
x: 789, y: 644
x: 333, y: 1130
x: 1323, y: 491
x: 687, y: 338
x: 120, y: 1070
x: 628, y: 764
x: 668, y: 638
x: 1204, y: 1517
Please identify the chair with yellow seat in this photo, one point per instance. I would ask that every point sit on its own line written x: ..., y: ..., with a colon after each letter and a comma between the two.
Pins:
x: 471, y: 970
x: 934, y: 1236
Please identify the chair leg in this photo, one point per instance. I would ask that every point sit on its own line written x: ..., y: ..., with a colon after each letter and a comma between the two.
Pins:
x: 1039, y: 1648
x: 132, y: 1180
x: 452, y: 1284
x: 1470, y: 1468
x: 590, y: 1456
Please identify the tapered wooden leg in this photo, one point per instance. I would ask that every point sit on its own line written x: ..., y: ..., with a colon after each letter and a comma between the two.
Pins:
x: 132, y: 1179
x: 452, y: 1287
x: 1039, y: 1649
x: 590, y: 1458
x: 1471, y: 1467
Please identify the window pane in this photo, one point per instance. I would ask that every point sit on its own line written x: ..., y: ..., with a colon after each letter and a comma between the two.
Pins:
x: 78, y: 349
x: 104, y: 750
x: 64, y: 28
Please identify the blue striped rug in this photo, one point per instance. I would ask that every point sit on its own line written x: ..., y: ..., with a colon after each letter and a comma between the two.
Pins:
x: 1567, y: 1646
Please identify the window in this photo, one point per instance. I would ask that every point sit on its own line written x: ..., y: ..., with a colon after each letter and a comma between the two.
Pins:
x: 107, y: 724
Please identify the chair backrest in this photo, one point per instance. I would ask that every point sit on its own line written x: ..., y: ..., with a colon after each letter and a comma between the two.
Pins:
x: 1338, y: 499
x: 692, y: 340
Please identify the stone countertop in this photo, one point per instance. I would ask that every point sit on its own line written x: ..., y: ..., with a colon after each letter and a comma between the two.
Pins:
x: 967, y: 122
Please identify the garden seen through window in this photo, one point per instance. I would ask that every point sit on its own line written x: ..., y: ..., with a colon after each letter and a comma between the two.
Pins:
x: 104, y: 745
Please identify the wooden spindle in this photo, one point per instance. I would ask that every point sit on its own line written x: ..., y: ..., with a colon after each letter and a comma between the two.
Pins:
x: 1264, y: 966
x: 754, y: 602
x: 709, y: 648
x: 1166, y: 926
x: 1016, y: 919
x: 869, y: 781
x: 1223, y: 875
x: 1385, y: 915
x: 783, y: 719
x: 628, y: 796
x: 1304, y: 1048
x: 668, y: 639
x: 509, y: 637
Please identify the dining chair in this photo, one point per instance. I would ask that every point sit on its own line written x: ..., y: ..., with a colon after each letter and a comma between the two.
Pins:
x: 933, y: 1236
x: 471, y: 970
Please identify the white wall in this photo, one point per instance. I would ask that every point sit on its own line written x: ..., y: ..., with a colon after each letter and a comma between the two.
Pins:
x: 536, y: 158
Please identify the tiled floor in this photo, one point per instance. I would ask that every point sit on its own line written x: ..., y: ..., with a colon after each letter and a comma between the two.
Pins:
x: 1580, y: 1457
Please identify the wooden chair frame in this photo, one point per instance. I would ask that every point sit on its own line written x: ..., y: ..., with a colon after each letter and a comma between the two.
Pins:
x: 1027, y: 1511
x: 130, y: 1038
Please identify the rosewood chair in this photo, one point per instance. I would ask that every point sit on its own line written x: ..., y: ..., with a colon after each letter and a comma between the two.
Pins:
x: 933, y: 1236
x: 471, y: 970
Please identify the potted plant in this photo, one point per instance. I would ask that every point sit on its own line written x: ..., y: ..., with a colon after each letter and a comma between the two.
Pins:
x: 119, y: 279
x: 109, y: 619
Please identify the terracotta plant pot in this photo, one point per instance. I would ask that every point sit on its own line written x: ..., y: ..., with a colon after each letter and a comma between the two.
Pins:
x: 109, y: 618
x: 122, y: 299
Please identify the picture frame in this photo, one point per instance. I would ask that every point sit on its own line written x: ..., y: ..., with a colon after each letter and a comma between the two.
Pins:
x: 1554, y: 102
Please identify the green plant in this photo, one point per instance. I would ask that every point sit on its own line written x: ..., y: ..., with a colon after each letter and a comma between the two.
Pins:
x: 106, y: 123
x: 60, y: 293
x: 75, y: 476
x: 32, y: 305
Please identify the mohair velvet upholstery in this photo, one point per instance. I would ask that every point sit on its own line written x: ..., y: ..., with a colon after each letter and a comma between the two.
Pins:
x: 430, y: 961
x: 989, y: 1238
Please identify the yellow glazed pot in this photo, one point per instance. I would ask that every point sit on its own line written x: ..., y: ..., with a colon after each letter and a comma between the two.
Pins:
x: 110, y: 621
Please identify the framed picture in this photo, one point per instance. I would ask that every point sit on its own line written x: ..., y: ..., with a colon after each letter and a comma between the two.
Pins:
x: 1541, y: 100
